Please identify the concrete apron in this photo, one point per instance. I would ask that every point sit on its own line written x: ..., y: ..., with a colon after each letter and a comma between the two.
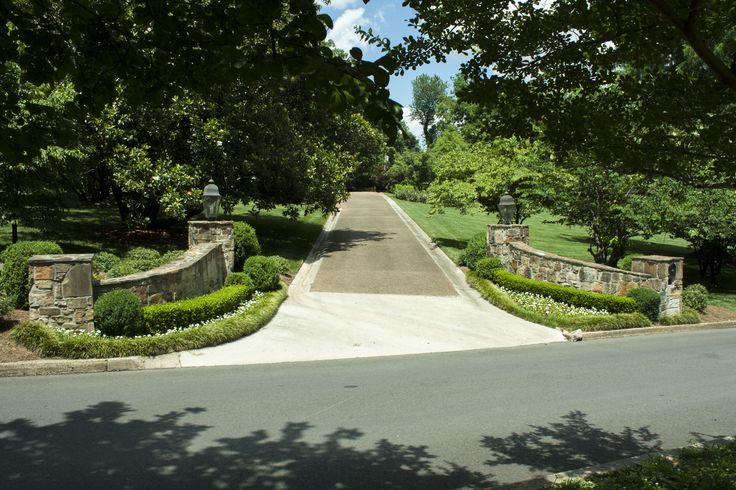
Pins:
x: 316, y: 323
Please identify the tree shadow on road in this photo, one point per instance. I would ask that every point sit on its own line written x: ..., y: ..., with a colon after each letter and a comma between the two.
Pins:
x: 105, y: 446
x: 571, y: 444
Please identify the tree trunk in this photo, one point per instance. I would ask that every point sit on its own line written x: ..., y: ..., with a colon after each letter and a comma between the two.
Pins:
x: 14, y: 228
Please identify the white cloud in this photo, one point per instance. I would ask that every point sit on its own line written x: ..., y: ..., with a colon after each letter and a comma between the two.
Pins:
x: 343, y: 32
x: 338, y: 4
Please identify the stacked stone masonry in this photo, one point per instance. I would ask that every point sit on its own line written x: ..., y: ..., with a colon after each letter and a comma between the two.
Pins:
x: 199, y: 270
x: 61, y: 290
x: 510, y: 243
x: 214, y: 232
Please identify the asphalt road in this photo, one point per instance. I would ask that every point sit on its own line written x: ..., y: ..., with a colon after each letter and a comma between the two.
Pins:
x: 454, y: 420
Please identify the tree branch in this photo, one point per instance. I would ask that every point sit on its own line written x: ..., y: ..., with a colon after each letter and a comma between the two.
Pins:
x: 689, y: 31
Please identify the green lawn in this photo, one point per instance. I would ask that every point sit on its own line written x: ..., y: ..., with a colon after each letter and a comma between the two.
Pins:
x: 451, y: 230
x: 89, y: 229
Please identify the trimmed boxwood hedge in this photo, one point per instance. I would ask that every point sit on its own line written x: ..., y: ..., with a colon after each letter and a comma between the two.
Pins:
x: 589, y: 323
x: 163, y: 317
x: 49, y: 342
x: 119, y: 312
x: 564, y: 294
x: 647, y: 302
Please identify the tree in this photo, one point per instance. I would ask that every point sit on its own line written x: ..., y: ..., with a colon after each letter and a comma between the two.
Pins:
x: 609, y: 205
x: 427, y: 93
x: 160, y: 50
x: 637, y: 85
x: 702, y: 217
x: 32, y: 188
x: 481, y: 173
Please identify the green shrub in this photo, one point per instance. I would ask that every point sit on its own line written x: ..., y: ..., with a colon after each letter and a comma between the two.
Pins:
x: 164, y: 317
x: 564, y: 294
x: 695, y: 296
x: 407, y: 192
x: 119, y: 313
x: 5, y: 304
x: 14, y: 279
x: 142, y: 259
x: 49, y: 342
x: 485, y: 266
x: 246, y: 243
x: 263, y: 272
x: 647, y: 302
x: 124, y: 268
x: 687, y: 317
x: 238, y: 279
x: 474, y: 251
x: 625, y: 262
x: 282, y: 263
x: 102, y: 262
x: 170, y: 256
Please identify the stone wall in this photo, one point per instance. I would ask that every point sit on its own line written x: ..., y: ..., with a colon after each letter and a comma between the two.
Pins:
x: 61, y: 290
x: 200, y: 270
x: 510, y: 243
x: 214, y: 232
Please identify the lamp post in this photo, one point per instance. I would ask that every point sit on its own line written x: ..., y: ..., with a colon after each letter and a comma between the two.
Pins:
x: 211, y: 200
x: 507, y: 208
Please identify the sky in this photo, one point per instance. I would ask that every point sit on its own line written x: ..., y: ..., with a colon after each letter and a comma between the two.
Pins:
x: 388, y: 19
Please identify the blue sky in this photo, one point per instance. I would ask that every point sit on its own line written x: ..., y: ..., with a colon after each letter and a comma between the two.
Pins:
x: 388, y: 19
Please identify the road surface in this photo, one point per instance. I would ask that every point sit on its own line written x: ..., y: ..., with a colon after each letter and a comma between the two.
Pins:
x: 467, y: 419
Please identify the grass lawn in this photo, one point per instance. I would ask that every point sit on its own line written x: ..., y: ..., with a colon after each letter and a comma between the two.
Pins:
x: 89, y: 229
x: 451, y: 230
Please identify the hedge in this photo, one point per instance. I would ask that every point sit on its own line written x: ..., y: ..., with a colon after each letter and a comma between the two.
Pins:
x: 14, y: 278
x: 246, y: 243
x: 119, y: 312
x: 494, y: 295
x: 164, y: 317
x: 49, y: 342
x: 647, y: 302
x: 564, y: 294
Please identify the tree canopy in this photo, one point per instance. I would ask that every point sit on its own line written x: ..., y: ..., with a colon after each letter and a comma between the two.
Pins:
x: 638, y: 85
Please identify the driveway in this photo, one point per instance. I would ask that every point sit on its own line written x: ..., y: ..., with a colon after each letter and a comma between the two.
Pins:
x: 374, y: 285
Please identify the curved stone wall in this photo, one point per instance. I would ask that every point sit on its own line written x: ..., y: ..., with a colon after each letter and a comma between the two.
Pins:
x: 199, y: 270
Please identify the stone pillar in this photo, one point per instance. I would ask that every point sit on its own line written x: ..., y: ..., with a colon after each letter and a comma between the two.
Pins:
x: 499, y: 236
x: 666, y: 279
x: 214, y: 232
x: 61, y: 290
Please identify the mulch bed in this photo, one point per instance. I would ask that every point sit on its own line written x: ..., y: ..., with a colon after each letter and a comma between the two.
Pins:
x: 717, y: 314
x: 9, y: 350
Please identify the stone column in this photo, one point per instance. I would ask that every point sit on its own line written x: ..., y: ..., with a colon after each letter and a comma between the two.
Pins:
x: 61, y: 290
x: 499, y: 236
x: 666, y: 279
x: 214, y: 232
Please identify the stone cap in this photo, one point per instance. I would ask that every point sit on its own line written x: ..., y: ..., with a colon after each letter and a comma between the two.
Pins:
x: 211, y: 222
x: 60, y: 259
x: 656, y: 258
x: 501, y: 225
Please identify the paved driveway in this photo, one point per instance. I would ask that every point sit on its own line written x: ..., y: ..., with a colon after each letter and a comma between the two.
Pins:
x: 374, y: 285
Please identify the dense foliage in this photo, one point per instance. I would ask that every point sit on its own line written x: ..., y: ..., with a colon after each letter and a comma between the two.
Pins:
x: 263, y: 272
x: 647, y: 302
x: 475, y: 250
x: 640, y: 85
x: 246, y: 243
x: 119, y: 313
x: 695, y: 296
x: 14, y: 280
